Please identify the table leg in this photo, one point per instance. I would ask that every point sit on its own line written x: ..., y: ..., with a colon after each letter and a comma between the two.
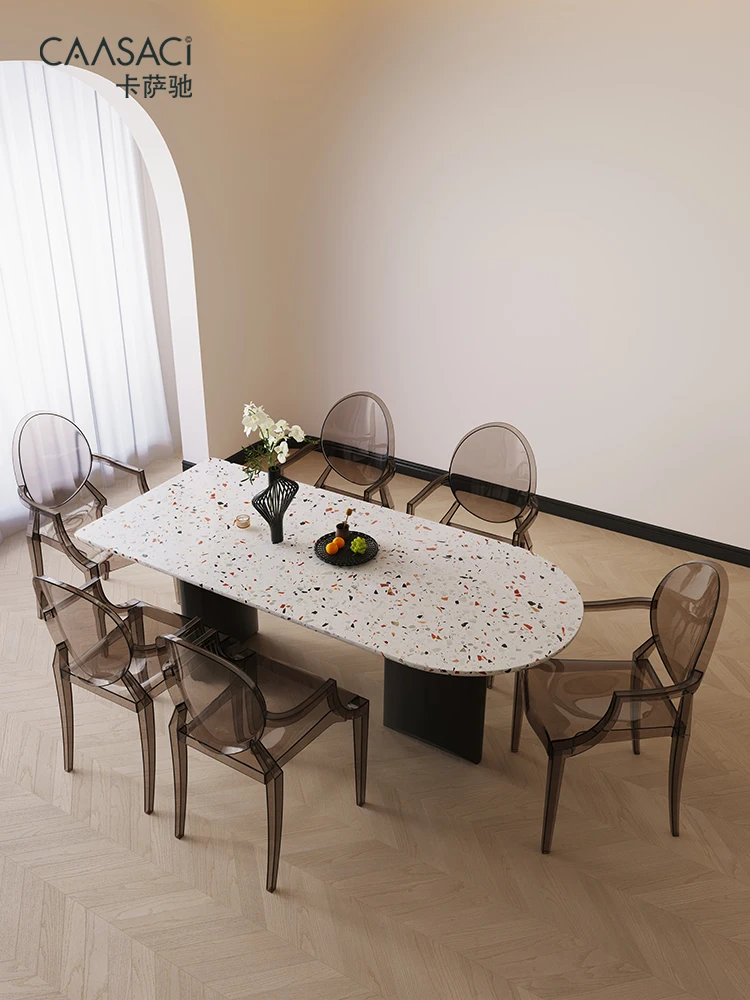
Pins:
x: 216, y: 611
x: 443, y: 710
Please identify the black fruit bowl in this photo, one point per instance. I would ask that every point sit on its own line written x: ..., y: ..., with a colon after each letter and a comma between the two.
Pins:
x: 345, y: 556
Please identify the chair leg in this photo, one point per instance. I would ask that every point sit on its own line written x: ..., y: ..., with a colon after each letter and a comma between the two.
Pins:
x: 65, y: 699
x: 386, y: 499
x: 361, y: 730
x: 180, y: 769
x: 177, y: 594
x: 148, y: 752
x: 555, y: 766
x: 676, y: 770
x: 35, y: 554
x: 490, y: 680
x: 636, y: 684
x: 275, y: 809
x: 515, y: 732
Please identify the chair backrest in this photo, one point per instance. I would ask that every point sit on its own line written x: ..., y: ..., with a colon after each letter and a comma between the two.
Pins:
x: 51, y: 458
x: 357, y: 438
x: 686, y: 615
x: 493, y: 472
x: 98, y: 643
x: 225, y: 707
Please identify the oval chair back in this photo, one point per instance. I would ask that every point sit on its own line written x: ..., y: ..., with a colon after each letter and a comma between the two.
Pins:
x: 358, y: 443
x: 225, y: 708
x: 492, y: 473
x: 687, y: 612
x: 52, y: 459
x: 98, y: 645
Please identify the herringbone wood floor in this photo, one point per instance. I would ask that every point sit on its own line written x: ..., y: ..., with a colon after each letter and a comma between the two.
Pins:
x: 436, y: 889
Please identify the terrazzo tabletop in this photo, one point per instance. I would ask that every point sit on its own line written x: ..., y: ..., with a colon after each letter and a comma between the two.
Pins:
x: 435, y: 597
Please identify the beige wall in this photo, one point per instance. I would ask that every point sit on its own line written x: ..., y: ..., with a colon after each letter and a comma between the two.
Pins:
x: 534, y: 212
x: 539, y: 212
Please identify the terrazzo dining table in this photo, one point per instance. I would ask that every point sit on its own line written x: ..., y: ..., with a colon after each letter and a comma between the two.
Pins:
x: 444, y: 607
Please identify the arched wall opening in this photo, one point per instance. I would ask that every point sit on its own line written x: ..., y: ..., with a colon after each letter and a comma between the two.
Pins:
x: 178, y: 260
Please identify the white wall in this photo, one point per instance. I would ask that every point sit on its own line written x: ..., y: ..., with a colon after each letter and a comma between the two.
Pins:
x: 540, y: 213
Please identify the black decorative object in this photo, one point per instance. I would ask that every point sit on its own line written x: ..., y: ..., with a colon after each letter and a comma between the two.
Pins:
x: 345, y: 556
x: 272, y: 502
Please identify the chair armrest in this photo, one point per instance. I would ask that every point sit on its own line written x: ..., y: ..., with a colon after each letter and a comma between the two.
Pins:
x: 617, y: 604
x: 66, y: 541
x: 423, y: 494
x: 654, y: 693
x: 596, y: 733
x: 528, y: 515
x: 295, y: 454
x: 131, y: 469
x: 35, y: 505
x: 328, y: 691
x: 387, y: 475
x: 304, y: 707
x: 624, y: 604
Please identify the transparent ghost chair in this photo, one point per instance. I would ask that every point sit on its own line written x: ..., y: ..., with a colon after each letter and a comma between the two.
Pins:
x: 53, y: 461
x: 492, y: 475
x: 109, y: 650
x: 255, y: 715
x: 358, y: 443
x: 573, y: 705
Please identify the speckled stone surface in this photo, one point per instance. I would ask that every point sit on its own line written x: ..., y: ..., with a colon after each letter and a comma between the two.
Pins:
x: 436, y: 597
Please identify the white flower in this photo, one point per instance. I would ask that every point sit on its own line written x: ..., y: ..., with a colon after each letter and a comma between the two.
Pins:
x: 273, y: 434
x: 250, y: 423
x: 265, y: 423
x: 255, y: 418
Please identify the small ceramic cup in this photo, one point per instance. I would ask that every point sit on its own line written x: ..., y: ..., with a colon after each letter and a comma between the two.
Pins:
x: 342, y: 530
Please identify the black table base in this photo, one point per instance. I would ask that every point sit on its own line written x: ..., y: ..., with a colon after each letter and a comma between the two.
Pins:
x: 442, y: 710
x: 221, y: 613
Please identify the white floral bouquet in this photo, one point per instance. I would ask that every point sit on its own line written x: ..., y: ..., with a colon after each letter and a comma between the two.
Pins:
x: 273, y: 443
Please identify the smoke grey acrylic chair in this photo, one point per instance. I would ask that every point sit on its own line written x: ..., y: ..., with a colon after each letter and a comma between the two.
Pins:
x: 255, y: 715
x: 492, y: 475
x: 573, y: 705
x: 358, y: 443
x: 109, y: 650
x: 53, y: 461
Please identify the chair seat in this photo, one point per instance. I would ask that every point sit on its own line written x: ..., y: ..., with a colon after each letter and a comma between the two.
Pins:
x: 75, y: 520
x: 568, y: 697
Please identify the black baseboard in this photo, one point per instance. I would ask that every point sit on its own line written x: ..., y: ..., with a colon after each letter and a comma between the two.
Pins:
x: 650, y: 532
x: 612, y: 522
x: 597, y: 518
x: 417, y: 471
x: 187, y: 465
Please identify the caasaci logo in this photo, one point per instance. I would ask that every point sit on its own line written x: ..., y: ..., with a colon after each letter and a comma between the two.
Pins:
x: 171, y: 51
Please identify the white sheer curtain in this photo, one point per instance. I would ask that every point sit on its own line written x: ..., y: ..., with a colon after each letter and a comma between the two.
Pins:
x: 77, y: 328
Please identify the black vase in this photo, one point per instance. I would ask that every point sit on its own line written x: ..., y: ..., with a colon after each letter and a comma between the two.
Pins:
x: 272, y: 502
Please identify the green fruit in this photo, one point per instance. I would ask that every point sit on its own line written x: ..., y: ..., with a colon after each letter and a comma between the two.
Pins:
x: 358, y: 546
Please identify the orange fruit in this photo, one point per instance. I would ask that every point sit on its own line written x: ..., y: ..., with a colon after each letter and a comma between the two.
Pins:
x: 332, y: 548
x: 338, y: 542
